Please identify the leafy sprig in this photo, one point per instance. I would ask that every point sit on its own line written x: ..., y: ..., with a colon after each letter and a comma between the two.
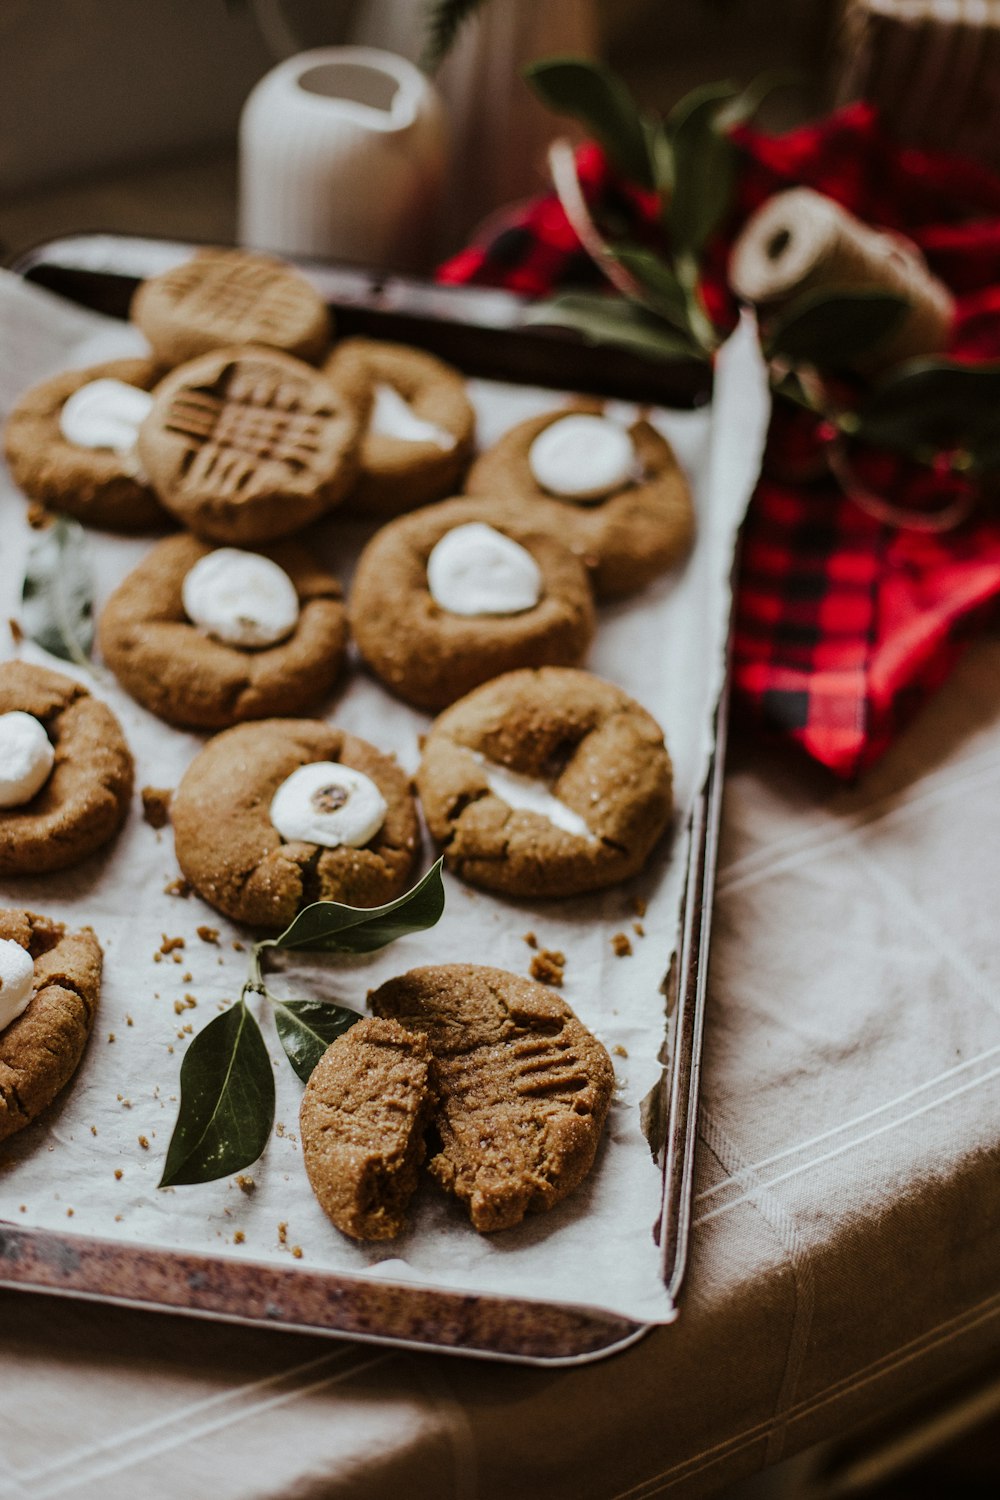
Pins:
x: 226, y: 1108
x: 57, y: 593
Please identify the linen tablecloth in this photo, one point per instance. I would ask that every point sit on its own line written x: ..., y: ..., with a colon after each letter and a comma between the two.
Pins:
x: 846, y: 1251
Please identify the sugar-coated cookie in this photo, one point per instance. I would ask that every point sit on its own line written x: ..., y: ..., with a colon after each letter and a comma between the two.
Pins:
x: 545, y: 783
x: 235, y: 857
x: 428, y: 653
x: 420, y: 430
x: 231, y: 297
x: 187, y: 676
x: 42, y: 1046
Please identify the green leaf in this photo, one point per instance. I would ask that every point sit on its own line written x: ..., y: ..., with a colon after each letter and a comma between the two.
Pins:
x: 227, y: 1101
x: 615, y: 320
x: 660, y: 151
x: 704, y: 167
x: 57, y: 595
x: 662, y: 291
x: 746, y: 104
x: 830, y: 328
x: 329, y: 927
x: 444, y: 20
x: 936, y: 403
x: 307, y: 1027
x: 590, y: 92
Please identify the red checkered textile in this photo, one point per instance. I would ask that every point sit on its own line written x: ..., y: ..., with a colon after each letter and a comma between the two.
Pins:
x: 845, y: 623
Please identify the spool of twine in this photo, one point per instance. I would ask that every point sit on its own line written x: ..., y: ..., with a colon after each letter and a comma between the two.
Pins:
x: 801, y: 241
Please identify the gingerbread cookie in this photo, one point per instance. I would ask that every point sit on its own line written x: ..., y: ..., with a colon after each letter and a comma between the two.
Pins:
x: 524, y: 1087
x: 616, y: 496
x: 420, y: 430
x: 274, y: 815
x: 545, y: 783
x: 364, y: 1113
x: 458, y: 592
x: 248, y: 445
x: 50, y: 980
x: 231, y: 297
x: 206, y: 637
x: 71, y: 445
x: 65, y: 771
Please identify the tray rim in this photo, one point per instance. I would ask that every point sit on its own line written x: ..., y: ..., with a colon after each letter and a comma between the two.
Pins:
x: 555, y: 1334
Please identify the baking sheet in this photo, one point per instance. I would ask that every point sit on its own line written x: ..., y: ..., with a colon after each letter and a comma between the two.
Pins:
x: 665, y: 647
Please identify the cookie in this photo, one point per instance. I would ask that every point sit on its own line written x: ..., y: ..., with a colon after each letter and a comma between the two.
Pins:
x: 364, y: 1113
x: 429, y: 654
x: 188, y: 677
x: 41, y: 1048
x: 247, y: 445
x: 524, y: 1087
x: 236, y: 859
x: 231, y: 297
x: 545, y: 783
x: 420, y: 431
x: 626, y: 537
x: 82, y: 801
x: 100, y: 486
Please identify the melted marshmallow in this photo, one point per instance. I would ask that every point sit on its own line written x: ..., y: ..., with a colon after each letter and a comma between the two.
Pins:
x: 240, y: 598
x: 527, y: 794
x: 17, y: 980
x: 329, y: 804
x: 394, y: 417
x: 26, y: 758
x: 475, y: 570
x: 105, y: 414
x: 582, y: 457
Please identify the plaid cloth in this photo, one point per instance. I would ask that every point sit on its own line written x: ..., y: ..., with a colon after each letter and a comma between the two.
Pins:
x: 845, y: 623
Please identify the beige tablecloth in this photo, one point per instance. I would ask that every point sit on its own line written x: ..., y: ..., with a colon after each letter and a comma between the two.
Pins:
x: 846, y: 1252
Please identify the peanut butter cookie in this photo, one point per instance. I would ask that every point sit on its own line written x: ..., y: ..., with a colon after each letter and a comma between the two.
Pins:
x: 186, y: 676
x: 233, y: 854
x: 545, y: 783
x: 80, y: 796
x: 41, y: 1048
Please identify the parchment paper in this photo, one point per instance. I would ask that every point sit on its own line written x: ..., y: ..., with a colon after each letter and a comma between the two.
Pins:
x: 84, y: 1168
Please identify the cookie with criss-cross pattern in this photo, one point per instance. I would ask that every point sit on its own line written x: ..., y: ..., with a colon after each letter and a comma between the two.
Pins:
x: 545, y: 783
x: 627, y: 536
x: 249, y: 445
x: 41, y: 1048
x: 231, y: 297
x: 233, y: 854
x: 524, y: 1088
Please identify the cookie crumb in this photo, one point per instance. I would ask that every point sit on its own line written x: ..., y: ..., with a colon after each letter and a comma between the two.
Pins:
x: 638, y: 929
x: 179, y: 887
x: 208, y: 934
x: 531, y: 940
x: 619, y: 1050
x: 70, y: 1212
x: 282, y: 1233
x: 156, y: 805
x: 93, y: 1129
x: 119, y: 1174
x: 129, y: 1021
x: 239, y: 1237
x: 143, y: 1142
x: 622, y: 945
x: 297, y: 1251
x: 279, y: 1129
x: 639, y: 906
x: 111, y: 1036
x: 171, y: 944
x: 186, y: 978
x: 38, y: 517
x: 245, y: 1184
x: 547, y: 967
x: 16, y: 633
x: 238, y: 947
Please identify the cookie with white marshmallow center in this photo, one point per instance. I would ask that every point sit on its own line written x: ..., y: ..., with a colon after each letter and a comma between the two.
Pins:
x: 71, y: 445
x: 454, y: 594
x: 50, y: 981
x: 205, y: 637
x: 65, y: 771
x: 613, y: 493
x: 420, y: 430
x: 272, y: 816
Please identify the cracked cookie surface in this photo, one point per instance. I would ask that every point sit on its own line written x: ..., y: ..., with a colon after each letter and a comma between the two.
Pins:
x: 594, y: 749
x: 524, y: 1088
x: 86, y: 797
x: 188, y: 678
x: 236, y: 859
x: 40, y: 1050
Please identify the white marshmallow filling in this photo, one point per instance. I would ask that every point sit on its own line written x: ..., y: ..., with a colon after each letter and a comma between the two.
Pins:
x: 476, y: 570
x: 392, y: 416
x: 17, y: 981
x: 582, y: 457
x: 26, y: 758
x: 106, y: 414
x: 528, y: 794
x: 328, y: 804
x: 240, y: 598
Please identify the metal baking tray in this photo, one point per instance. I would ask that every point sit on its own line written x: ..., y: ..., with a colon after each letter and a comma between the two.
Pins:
x: 485, y: 333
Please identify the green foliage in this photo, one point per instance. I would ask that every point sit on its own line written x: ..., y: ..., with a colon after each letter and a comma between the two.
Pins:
x: 57, y: 595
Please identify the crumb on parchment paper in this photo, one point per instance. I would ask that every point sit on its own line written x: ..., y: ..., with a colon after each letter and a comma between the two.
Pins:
x: 245, y: 1183
x: 178, y: 887
x: 156, y: 805
x: 622, y: 944
x: 208, y: 934
x: 547, y: 967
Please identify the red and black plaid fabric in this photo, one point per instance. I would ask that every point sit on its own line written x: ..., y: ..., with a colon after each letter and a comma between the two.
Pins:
x: 845, y: 623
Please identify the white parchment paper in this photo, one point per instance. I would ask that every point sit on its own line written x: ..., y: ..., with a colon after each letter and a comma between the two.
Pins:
x: 91, y: 1165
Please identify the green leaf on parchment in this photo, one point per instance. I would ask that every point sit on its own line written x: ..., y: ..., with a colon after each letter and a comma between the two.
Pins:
x: 227, y: 1101
x: 307, y: 1027
x: 832, y: 327
x: 329, y: 927
x: 57, y: 595
x: 612, y: 320
x: 590, y: 92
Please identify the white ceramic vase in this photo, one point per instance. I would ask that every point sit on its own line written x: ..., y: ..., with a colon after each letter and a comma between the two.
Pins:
x: 343, y: 153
